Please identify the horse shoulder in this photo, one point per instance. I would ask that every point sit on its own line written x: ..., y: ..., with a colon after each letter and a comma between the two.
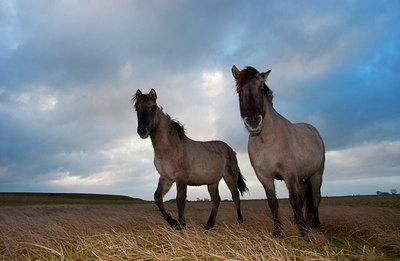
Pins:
x: 169, y: 162
x: 263, y: 156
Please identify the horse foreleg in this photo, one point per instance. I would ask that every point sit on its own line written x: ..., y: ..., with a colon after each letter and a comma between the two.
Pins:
x: 297, y: 205
x: 215, y: 199
x: 164, y: 184
x: 181, y: 201
x: 269, y: 188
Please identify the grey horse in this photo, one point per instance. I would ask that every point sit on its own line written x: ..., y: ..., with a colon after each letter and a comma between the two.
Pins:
x: 180, y: 159
x: 279, y: 149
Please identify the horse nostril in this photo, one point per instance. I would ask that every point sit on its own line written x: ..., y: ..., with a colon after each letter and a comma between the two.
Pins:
x: 253, y: 122
x: 142, y: 131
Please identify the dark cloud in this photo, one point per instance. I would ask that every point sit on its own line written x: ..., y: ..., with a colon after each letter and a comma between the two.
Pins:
x: 68, y: 72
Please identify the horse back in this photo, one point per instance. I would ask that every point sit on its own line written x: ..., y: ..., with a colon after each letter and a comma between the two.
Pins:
x: 206, y: 161
x: 202, y: 151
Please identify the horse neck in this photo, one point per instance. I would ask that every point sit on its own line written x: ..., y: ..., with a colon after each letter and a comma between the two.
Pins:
x: 162, y: 137
x: 271, y: 120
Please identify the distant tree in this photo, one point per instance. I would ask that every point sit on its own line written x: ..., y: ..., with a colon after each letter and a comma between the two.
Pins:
x: 393, y: 191
x: 381, y: 193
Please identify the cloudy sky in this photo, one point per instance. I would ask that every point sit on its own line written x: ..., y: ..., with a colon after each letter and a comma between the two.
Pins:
x: 68, y: 70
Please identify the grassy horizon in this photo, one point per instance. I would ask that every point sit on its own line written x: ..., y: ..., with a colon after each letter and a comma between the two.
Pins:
x: 350, y: 230
x: 39, y: 198
x: 35, y: 198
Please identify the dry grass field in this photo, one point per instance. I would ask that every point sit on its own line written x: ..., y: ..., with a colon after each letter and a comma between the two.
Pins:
x: 351, y: 229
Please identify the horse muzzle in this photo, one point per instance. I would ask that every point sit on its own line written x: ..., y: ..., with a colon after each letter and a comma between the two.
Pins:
x: 143, y: 132
x: 254, y: 125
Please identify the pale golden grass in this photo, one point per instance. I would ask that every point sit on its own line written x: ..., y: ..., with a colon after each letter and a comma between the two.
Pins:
x: 138, y: 232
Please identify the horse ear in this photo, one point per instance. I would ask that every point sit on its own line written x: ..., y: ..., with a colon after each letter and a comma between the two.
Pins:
x: 235, y: 72
x: 264, y: 75
x: 138, y: 95
x: 153, y: 94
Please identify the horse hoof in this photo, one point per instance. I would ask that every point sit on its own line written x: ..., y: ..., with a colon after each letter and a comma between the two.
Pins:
x: 178, y: 227
x: 276, y: 234
x: 240, y: 220
x: 304, y: 235
x: 175, y: 224
x: 316, y: 225
x: 208, y: 227
x: 315, y: 228
x: 306, y: 238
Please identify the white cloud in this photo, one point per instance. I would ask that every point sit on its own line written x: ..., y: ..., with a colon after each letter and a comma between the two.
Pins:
x: 23, y: 97
x: 369, y: 156
x: 48, y: 103
x: 132, y: 148
x: 126, y: 71
x: 34, y: 99
x: 66, y: 179
x: 213, y: 83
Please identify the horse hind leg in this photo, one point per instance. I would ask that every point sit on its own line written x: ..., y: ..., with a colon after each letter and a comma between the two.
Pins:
x: 215, y: 199
x: 315, y: 194
x: 307, y: 197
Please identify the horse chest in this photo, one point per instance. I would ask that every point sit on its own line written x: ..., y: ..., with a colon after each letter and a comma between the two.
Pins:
x: 261, y: 159
x: 268, y: 157
x: 165, y: 166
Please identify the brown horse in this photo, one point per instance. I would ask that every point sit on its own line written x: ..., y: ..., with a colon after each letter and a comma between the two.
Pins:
x: 186, y: 162
x: 279, y: 149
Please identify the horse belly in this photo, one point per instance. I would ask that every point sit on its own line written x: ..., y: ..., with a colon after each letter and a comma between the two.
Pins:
x: 308, y: 168
x: 206, y: 171
x: 309, y: 150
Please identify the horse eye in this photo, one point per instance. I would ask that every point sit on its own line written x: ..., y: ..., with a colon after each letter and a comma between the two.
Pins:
x: 153, y: 109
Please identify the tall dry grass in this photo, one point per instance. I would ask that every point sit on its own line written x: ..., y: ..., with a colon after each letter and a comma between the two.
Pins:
x: 138, y: 232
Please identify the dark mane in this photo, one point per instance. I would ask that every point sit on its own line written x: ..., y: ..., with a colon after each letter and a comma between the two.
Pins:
x: 247, y: 74
x: 180, y: 129
x: 177, y: 126
x: 135, y: 100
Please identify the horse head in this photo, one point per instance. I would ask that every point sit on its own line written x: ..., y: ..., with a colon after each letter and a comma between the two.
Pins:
x: 147, y: 110
x: 251, y: 87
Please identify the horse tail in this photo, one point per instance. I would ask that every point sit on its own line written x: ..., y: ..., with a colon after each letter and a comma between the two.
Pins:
x: 241, y: 184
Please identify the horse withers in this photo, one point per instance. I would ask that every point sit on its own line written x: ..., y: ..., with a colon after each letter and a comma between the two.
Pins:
x: 180, y: 159
x: 279, y: 149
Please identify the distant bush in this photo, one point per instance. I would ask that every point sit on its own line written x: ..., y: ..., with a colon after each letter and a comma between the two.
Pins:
x: 381, y: 193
